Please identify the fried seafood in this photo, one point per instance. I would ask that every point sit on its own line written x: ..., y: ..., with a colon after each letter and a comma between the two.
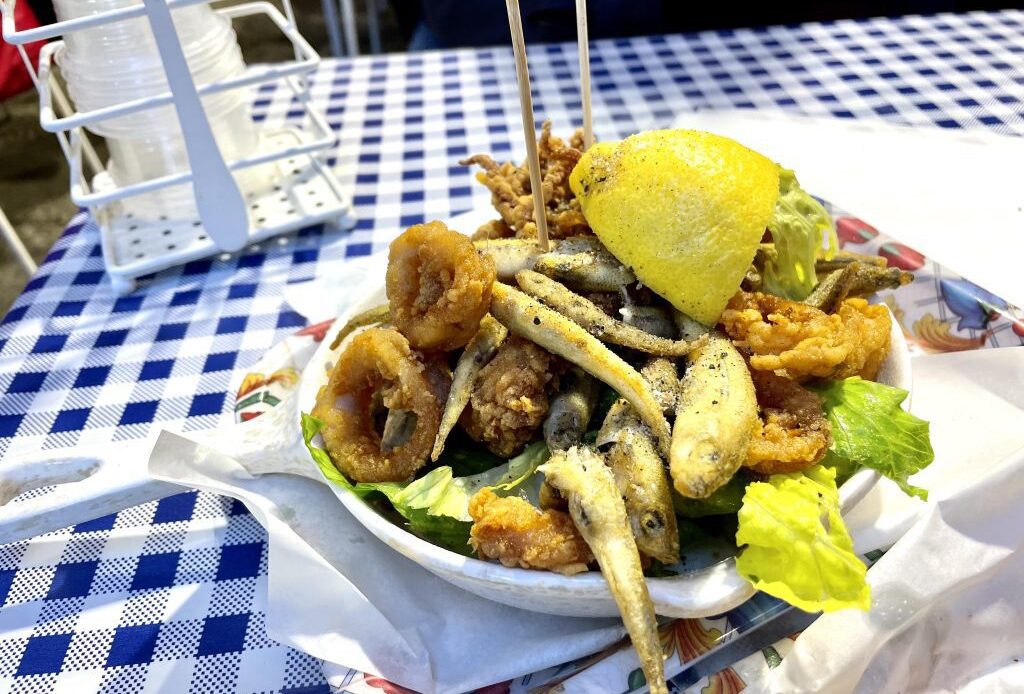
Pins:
x: 823, y: 266
x: 794, y: 433
x: 599, y: 513
x: 511, y: 255
x: 494, y: 229
x: 378, y: 370
x: 715, y: 419
x: 585, y: 265
x: 531, y: 319
x: 661, y: 373
x: 571, y: 409
x: 855, y: 280
x: 799, y: 341
x: 372, y: 316
x: 642, y: 481
x: 480, y: 350
x: 512, y: 196
x: 438, y: 286
x: 514, y: 532
x: 594, y: 320
x: 509, y: 400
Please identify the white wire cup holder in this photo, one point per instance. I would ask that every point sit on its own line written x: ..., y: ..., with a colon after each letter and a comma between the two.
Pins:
x: 303, y: 190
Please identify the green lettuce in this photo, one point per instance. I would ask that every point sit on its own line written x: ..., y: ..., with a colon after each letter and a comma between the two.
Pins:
x: 870, y: 428
x: 726, y: 499
x: 436, y: 505
x: 798, y: 227
x: 795, y: 544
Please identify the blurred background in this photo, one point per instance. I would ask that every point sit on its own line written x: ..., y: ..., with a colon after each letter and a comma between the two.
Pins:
x: 33, y: 173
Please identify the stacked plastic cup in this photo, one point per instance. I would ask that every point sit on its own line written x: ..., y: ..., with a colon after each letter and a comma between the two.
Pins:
x: 119, y: 61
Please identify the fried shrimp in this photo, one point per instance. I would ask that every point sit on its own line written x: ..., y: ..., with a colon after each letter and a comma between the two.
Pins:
x: 512, y: 195
x: 793, y: 433
x: 514, y: 532
x: 438, y: 286
x: 378, y: 370
x: 799, y: 341
x: 510, y: 396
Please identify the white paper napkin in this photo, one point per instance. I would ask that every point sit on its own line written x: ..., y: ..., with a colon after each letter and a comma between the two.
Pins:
x: 948, y: 604
x: 338, y: 593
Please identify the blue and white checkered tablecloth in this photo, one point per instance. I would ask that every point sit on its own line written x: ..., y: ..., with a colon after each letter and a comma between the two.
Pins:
x: 170, y: 595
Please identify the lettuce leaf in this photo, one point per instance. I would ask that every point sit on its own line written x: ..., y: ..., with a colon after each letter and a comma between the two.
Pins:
x: 870, y: 428
x: 436, y: 505
x: 797, y: 547
x: 798, y: 226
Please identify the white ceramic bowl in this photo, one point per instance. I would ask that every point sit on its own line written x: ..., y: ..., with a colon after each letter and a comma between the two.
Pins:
x: 700, y: 593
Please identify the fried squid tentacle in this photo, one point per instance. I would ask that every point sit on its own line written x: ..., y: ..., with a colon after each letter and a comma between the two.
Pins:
x: 531, y: 319
x: 642, y: 481
x: 438, y: 286
x: 372, y: 316
x: 715, y: 419
x: 600, y: 515
x: 480, y: 350
x: 594, y: 320
x: 378, y: 370
x: 571, y: 409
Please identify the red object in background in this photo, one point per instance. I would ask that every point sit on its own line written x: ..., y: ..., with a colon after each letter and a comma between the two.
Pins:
x: 853, y: 230
x: 1018, y: 326
x: 14, y: 78
x: 903, y: 257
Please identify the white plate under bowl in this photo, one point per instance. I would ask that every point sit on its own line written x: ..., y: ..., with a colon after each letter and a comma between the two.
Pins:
x: 701, y: 593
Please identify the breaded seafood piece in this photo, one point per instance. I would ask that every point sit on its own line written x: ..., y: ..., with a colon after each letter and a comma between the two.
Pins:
x: 514, y: 532
x: 438, y: 286
x: 799, y: 341
x: 377, y: 372
x: 793, y: 433
x: 599, y: 513
x: 512, y: 195
x: 510, y: 400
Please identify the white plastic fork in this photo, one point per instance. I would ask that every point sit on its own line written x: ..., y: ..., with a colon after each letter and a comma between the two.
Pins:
x: 219, y: 200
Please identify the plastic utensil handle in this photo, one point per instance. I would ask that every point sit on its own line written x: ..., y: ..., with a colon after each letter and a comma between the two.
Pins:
x: 90, y: 484
x: 218, y: 198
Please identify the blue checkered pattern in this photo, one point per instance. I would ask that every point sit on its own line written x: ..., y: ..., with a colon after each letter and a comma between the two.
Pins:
x: 168, y: 595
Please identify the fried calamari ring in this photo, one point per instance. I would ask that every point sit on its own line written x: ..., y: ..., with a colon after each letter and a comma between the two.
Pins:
x: 438, y: 286
x: 377, y: 370
x: 793, y: 433
x: 799, y: 341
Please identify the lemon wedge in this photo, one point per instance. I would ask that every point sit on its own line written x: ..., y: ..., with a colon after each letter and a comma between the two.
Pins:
x: 684, y: 209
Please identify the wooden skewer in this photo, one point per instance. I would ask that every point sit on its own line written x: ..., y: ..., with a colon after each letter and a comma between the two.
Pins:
x: 583, y: 43
x: 515, y: 25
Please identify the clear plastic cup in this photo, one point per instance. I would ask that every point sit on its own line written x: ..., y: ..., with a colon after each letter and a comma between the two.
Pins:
x: 118, y: 62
